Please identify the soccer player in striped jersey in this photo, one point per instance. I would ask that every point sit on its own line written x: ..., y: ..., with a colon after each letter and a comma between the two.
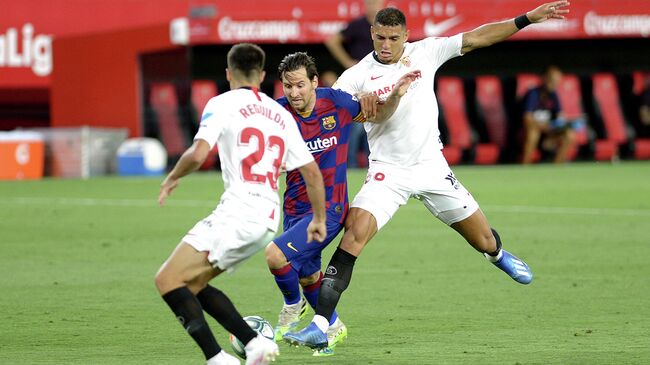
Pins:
x: 324, y: 117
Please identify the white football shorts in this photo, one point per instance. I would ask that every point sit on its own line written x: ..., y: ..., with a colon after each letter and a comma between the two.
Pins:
x: 229, y: 237
x: 388, y: 187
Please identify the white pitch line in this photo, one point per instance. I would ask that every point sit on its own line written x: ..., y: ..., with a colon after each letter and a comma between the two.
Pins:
x: 208, y: 203
x: 567, y: 210
x: 107, y: 202
x: 532, y: 209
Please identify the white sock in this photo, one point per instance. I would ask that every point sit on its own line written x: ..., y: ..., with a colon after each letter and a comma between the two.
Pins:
x: 494, y: 258
x: 321, y: 322
x: 294, y: 305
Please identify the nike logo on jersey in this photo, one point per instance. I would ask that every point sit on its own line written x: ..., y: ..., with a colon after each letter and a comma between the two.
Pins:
x: 375, y: 77
x: 432, y: 29
x: 290, y: 245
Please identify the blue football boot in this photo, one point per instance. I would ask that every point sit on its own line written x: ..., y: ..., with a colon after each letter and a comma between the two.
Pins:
x: 511, y: 265
x: 310, y: 336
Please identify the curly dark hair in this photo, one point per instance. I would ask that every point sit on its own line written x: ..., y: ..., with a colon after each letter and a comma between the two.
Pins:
x: 246, y: 58
x: 295, y: 61
x: 390, y: 17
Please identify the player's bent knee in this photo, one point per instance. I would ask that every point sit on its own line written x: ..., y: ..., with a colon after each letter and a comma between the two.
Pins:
x: 355, y: 238
x: 275, y: 258
x: 165, y: 282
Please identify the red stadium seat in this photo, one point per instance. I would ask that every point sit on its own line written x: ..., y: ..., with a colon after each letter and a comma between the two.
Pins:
x: 164, y: 104
x: 451, y: 96
x: 490, y: 101
x: 606, y: 95
x: 202, y: 92
x: 604, y: 149
x: 605, y: 91
x: 640, y: 80
x: 452, y: 100
x: 570, y: 97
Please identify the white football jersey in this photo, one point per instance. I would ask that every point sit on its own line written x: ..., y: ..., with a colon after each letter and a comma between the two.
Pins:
x: 411, y: 134
x: 255, y: 136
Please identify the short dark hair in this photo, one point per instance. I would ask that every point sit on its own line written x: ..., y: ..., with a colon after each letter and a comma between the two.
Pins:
x: 295, y: 61
x: 390, y: 17
x: 246, y: 58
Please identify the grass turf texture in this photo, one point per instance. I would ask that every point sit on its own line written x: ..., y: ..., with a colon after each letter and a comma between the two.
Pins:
x: 77, y: 260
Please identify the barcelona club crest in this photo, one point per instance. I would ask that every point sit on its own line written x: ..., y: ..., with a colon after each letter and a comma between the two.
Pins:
x: 329, y: 122
x: 406, y: 61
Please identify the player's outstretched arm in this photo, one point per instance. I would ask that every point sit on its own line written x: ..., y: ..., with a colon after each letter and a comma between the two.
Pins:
x: 489, y: 34
x: 386, y: 109
x: 317, y: 229
x: 191, y: 160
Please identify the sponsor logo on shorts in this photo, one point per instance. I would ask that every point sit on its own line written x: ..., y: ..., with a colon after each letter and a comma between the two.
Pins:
x: 290, y: 245
x: 452, y: 179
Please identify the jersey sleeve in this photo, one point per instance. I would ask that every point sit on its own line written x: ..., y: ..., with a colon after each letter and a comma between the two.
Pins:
x: 442, y: 49
x: 350, y: 104
x: 211, y: 125
x: 297, y: 154
x: 348, y: 82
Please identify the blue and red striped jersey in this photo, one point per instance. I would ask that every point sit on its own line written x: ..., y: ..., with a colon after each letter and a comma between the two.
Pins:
x: 326, y: 132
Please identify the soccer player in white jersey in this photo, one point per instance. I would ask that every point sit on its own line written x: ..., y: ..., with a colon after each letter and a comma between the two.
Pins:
x: 405, y: 152
x: 255, y: 136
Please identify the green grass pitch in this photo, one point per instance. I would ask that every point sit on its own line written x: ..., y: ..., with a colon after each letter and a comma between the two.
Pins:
x: 77, y: 261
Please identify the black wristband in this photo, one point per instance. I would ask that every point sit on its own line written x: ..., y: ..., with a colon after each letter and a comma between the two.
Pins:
x: 522, y: 21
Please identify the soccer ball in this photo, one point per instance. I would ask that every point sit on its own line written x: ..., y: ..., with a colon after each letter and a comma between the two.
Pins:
x: 259, y: 325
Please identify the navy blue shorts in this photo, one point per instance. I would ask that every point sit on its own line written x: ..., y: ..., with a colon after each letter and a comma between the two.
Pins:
x: 305, y: 257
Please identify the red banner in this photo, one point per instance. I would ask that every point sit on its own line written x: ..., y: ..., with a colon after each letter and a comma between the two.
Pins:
x: 28, y: 27
x: 214, y: 21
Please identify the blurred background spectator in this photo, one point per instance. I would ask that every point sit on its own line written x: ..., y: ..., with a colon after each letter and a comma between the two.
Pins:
x: 327, y: 78
x: 348, y: 47
x: 543, y: 122
x: 644, y: 110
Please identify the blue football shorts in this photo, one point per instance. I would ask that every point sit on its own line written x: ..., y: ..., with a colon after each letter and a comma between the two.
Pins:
x: 305, y: 257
